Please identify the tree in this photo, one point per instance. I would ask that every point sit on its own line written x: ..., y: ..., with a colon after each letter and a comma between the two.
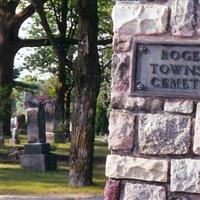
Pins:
x: 10, y: 43
x: 49, y: 59
x: 10, y: 23
x: 86, y: 88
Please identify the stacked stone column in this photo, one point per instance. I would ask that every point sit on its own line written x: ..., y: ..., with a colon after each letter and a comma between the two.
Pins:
x: 154, y: 141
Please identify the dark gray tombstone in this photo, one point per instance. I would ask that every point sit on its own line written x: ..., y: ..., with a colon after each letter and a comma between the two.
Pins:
x: 21, y: 121
x: 36, y: 124
x: 50, y: 117
x: 1, y: 135
x: 37, y: 154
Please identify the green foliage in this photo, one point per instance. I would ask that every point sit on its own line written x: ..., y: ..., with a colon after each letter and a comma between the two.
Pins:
x: 17, y: 101
x: 48, y: 87
x: 105, y: 21
x: 102, y: 111
x: 43, y: 58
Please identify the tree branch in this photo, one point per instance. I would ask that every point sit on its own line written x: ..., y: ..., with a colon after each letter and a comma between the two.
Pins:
x: 45, y: 42
x: 104, y: 42
x: 20, y: 17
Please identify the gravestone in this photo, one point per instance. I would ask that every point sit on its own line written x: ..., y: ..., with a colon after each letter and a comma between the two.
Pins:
x: 50, y: 117
x: 1, y: 135
x: 17, y: 126
x: 15, y: 136
x: 21, y: 121
x: 37, y: 154
x: 36, y: 124
x: 154, y: 124
x: 50, y: 121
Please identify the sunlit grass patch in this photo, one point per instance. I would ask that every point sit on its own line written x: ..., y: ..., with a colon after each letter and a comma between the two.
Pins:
x: 14, y: 180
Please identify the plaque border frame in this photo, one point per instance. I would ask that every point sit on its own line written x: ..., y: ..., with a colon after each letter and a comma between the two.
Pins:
x: 135, y: 93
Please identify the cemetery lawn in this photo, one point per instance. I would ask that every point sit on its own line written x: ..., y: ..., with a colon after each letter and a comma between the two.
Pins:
x: 14, y: 180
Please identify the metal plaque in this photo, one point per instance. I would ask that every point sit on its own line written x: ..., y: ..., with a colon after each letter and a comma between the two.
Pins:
x: 169, y: 70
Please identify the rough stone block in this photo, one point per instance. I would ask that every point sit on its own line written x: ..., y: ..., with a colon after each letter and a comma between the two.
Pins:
x: 185, y: 175
x: 39, y: 162
x: 183, y: 17
x: 122, y: 43
x: 198, y: 16
x: 136, y: 191
x: 143, y: 104
x: 117, y: 100
x: 125, y: 167
x: 148, y: 104
x: 121, y: 129
x: 175, y: 196
x: 196, y: 146
x: 164, y: 134
x: 136, y: 18
x: 37, y: 148
x: 179, y: 106
x: 112, y: 190
x: 120, y: 72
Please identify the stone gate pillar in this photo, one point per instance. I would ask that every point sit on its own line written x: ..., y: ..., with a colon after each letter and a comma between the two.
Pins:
x: 155, y: 119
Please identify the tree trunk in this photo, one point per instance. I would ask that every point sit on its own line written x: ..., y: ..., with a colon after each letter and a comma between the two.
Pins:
x: 86, y: 87
x: 60, y: 95
x: 9, y: 28
x: 7, y: 55
x: 67, y: 112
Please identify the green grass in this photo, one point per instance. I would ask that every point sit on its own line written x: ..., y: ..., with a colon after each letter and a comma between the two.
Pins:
x: 14, y: 180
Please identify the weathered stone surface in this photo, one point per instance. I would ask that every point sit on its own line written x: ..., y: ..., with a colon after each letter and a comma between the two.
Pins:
x: 37, y: 148
x: 112, y: 190
x: 184, y: 196
x: 125, y: 167
x: 136, y: 18
x: 185, y: 176
x: 120, y: 72
x: 136, y: 191
x: 50, y: 116
x: 117, y: 100
x: 121, y: 129
x: 39, y: 162
x: 123, y: 101
x: 36, y: 125
x: 20, y: 121
x: 164, y: 134
x: 196, y: 146
x: 144, y: 104
x: 183, y: 17
x: 179, y: 106
x: 198, y: 16
x: 122, y: 43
